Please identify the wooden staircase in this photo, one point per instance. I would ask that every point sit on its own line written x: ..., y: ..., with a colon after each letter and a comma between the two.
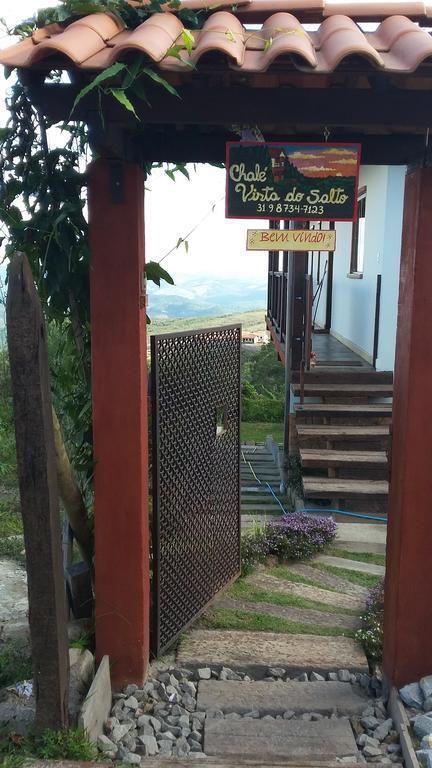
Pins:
x: 343, y: 431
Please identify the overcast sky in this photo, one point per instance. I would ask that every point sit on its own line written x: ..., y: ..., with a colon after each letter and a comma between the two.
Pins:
x: 174, y: 208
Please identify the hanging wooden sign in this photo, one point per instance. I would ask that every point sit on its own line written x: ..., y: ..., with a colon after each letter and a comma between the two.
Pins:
x: 300, y: 182
x: 291, y: 240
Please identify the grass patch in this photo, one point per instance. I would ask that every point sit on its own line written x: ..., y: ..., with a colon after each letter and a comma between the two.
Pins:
x: 15, y: 664
x: 359, y: 557
x: 283, y: 572
x: 226, y: 618
x: 258, y: 431
x: 70, y: 744
x: 362, y: 579
x: 242, y: 590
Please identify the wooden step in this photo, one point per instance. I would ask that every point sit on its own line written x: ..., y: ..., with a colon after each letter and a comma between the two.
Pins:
x: 343, y: 409
x: 346, y: 432
x: 335, y: 488
x: 345, y: 390
x: 345, y: 375
x: 317, y: 457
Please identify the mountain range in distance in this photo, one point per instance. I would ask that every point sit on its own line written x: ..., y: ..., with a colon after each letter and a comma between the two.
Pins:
x: 202, y: 296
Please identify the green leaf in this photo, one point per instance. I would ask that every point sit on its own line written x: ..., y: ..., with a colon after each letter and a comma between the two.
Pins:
x: 111, y: 71
x: 174, y: 51
x: 230, y: 35
x: 158, y: 79
x: 156, y: 273
x: 188, y: 40
x: 124, y: 100
x: 139, y: 90
x: 170, y: 174
x: 268, y: 44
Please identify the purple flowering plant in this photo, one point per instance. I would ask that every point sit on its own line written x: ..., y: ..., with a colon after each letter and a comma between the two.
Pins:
x: 370, y: 635
x: 298, y: 536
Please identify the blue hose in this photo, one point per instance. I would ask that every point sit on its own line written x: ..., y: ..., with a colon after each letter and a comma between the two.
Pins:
x: 327, y: 511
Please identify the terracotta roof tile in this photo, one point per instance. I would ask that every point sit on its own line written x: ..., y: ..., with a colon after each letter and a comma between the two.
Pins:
x: 96, y: 41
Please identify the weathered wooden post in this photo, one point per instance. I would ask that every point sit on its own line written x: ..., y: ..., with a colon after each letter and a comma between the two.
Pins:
x: 39, y: 497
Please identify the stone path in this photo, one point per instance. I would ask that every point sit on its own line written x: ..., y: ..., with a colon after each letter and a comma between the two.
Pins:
x: 362, y: 537
x: 275, y: 698
x: 13, y: 592
x: 258, y: 651
x: 293, y: 739
x: 328, y: 580
x: 352, y: 565
x: 290, y: 613
x: 338, y: 600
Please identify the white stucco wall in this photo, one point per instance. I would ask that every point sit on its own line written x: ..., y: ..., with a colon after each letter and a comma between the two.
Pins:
x: 353, y: 308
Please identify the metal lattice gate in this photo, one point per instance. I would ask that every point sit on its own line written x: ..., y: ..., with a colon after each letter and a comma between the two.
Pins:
x: 196, y: 473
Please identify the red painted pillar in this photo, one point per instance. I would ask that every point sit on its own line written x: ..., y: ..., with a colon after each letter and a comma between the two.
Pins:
x: 408, y: 588
x: 120, y: 429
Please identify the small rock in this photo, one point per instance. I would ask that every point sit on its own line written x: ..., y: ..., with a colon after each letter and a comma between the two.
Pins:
x: 197, y: 754
x: 130, y: 689
x: 303, y: 678
x: 344, y: 675
x: 370, y: 723
x: 426, y: 686
x: 426, y: 742
x: 194, y: 745
x: 165, y: 736
x: 254, y: 714
x: 146, y: 730
x: 372, y: 752
x: 424, y: 756
x: 364, y: 680
x: 394, y: 749
x: 367, y: 741
x: 332, y: 676
x: 315, y: 716
x: 228, y: 674
x: 120, y: 731
x: 150, y: 744
x: 233, y: 716
x: 277, y: 671
x: 196, y: 736
x: 111, y: 723
x: 182, y: 748
x: 315, y: 677
x: 427, y: 704
x: 105, y: 744
x: 412, y: 695
x: 215, y: 714
x: 268, y: 717
x: 131, y: 759
x: 201, y: 716
x: 368, y: 711
x: 204, y: 673
x: 131, y: 703
x: 165, y: 747
x: 196, y: 725
x: 383, y: 730
x: 422, y: 725
x: 188, y: 702
x: 187, y: 686
x: 306, y: 716
x: 289, y: 714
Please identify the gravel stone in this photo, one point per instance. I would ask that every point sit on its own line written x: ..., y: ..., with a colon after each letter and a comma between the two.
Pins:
x: 383, y: 729
x: 371, y: 752
x: 215, y: 714
x: 315, y: 677
x: 227, y: 674
x: 289, y: 714
x: 186, y: 686
x: 333, y: 676
x: 194, y: 745
x: 189, y: 702
x: 233, y: 716
x: 197, y: 754
x: 130, y: 690
x: 394, y: 749
x: 182, y: 748
x: 201, y: 716
x: 370, y: 723
x: 165, y: 747
x: 120, y: 731
x: 253, y: 714
x: 367, y: 741
x: 276, y: 671
x: 204, y: 673
x: 150, y: 744
x: 195, y: 736
x: 412, y: 695
x: 303, y: 678
x: 105, y: 744
x: 344, y: 675
x: 422, y: 725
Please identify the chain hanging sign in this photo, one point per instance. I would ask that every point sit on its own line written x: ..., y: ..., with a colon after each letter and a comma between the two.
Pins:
x: 300, y: 182
x: 291, y: 240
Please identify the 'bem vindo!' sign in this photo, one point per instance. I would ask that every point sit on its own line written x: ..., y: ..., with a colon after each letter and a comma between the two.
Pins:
x: 300, y: 182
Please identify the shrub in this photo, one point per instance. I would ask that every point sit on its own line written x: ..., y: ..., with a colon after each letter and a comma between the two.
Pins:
x: 261, y: 408
x: 370, y: 635
x: 297, y: 537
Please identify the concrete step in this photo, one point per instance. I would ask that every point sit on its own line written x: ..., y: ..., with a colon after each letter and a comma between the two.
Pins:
x: 324, y: 596
x: 257, y: 651
x: 275, y: 698
x: 279, y: 739
x: 362, y: 537
x: 351, y: 565
x: 329, y: 580
x: 304, y: 616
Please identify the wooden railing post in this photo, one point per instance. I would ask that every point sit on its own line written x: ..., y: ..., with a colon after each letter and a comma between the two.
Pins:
x: 37, y: 475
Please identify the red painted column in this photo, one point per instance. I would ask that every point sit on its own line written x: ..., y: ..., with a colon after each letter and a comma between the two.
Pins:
x: 120, y: 429
x: 408, y: 588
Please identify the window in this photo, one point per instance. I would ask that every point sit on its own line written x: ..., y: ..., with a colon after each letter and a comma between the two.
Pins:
x: 358, y: 235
